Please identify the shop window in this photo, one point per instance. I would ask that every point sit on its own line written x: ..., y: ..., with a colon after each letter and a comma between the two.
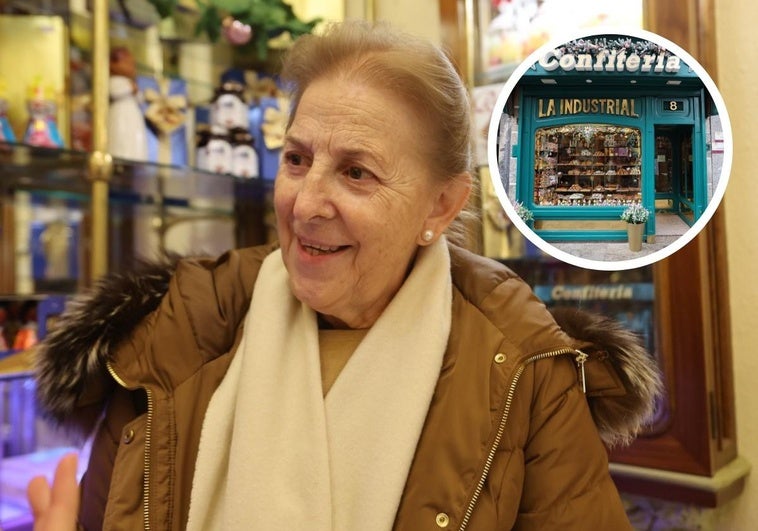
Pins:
x: 587, y: 165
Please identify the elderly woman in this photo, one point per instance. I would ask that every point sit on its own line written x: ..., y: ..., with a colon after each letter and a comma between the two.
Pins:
x: 363, y: 374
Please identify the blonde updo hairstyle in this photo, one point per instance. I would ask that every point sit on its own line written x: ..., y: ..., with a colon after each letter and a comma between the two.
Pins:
x: 405, y: 65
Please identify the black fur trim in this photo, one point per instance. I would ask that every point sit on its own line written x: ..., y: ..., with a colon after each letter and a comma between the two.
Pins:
x: 74, y: 354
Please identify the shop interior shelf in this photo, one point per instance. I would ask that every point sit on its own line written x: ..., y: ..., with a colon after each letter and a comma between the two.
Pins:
x: 63, y: 173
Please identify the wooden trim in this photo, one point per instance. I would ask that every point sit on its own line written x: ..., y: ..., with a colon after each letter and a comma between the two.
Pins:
x: 685, y: 310
x: 453, y: 24
x: 711, y: 491
x: 7, y: 243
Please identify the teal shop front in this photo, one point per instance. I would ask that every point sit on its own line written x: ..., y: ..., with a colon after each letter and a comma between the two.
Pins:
x: 603, y: 123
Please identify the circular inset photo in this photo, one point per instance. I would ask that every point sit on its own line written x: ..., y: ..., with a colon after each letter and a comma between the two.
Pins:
x: 610, y: 150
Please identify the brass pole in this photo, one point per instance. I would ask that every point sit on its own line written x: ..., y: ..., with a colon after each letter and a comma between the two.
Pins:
x: 369, y: 10
x: 100, y: 162
x: 470, y: 29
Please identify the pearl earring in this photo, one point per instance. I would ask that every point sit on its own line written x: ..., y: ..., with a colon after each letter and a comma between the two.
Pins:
x: 427, y: 235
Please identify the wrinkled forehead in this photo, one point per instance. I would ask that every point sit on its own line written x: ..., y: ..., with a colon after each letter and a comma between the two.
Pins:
x: 348, y: 109
x: 350, y: 87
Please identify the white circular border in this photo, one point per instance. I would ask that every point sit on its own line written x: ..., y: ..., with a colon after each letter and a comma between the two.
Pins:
x: 604, y: 265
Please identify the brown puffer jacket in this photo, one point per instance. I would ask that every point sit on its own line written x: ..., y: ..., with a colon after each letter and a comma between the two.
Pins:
x: 509, y: 442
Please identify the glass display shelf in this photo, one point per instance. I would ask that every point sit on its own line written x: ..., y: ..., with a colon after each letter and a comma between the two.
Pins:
x: 64, y: 173
x: 153, y: 209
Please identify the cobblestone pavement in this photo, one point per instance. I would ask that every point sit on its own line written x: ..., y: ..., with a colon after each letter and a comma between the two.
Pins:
x: 613, y: 251
x: 669, y: 228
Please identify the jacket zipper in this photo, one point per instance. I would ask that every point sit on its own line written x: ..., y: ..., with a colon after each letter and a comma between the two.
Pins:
x: 148, y: 430
x: 501, y: 428
x: 580, y: 358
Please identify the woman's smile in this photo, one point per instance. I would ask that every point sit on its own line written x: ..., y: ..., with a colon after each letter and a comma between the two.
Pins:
x: 315, y: 249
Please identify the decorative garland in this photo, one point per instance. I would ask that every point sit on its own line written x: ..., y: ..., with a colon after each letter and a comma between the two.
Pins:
x: 592, y: 45
x: 245, y: 23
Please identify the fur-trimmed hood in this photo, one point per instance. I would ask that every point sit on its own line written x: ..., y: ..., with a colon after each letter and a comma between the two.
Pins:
x: 622, y: 380
x: 75, y: 352
x: 620, y: 408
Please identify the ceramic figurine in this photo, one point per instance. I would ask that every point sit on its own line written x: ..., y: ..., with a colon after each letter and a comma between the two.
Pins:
x: 228, y: 107
x: 244, y: 157
x: 219, y: 151
x: 6, y: 132
x: 203, y: 136
x: 127, y: 133
x: 42, y: 129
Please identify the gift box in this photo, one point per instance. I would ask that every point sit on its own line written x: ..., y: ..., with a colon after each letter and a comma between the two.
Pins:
x: 164, y: 103
x: 55, y: 245
x: 268, y: 121
x: 34, y: 49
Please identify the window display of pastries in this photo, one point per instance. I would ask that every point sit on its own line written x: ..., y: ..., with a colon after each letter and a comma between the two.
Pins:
x: 586, y: 172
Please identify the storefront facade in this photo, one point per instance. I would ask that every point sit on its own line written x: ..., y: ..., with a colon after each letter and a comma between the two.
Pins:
x: 606, y: 122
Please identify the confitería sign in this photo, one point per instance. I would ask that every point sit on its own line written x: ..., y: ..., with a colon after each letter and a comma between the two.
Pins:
x: 589, y: 292
x: 605, y: 60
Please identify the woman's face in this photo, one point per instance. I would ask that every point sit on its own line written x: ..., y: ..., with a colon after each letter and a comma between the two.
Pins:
x: 353, y: 196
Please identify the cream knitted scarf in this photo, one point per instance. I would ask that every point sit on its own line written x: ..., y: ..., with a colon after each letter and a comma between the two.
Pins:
x: 276, y: 455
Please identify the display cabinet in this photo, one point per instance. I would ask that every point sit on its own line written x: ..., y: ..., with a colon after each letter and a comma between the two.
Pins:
x: 153, y: 209
x: 70, y: 214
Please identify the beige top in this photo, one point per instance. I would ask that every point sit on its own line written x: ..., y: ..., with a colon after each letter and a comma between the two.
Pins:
x: 335, y: 348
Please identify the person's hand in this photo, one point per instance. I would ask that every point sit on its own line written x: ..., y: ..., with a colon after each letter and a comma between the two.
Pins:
x: 56, y: 508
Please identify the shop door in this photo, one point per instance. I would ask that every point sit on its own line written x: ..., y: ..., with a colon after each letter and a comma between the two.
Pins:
x: 674, y: 191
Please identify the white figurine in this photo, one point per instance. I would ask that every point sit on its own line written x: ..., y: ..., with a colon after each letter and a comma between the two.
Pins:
x: 127, y: 132
x: 244, y: 157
